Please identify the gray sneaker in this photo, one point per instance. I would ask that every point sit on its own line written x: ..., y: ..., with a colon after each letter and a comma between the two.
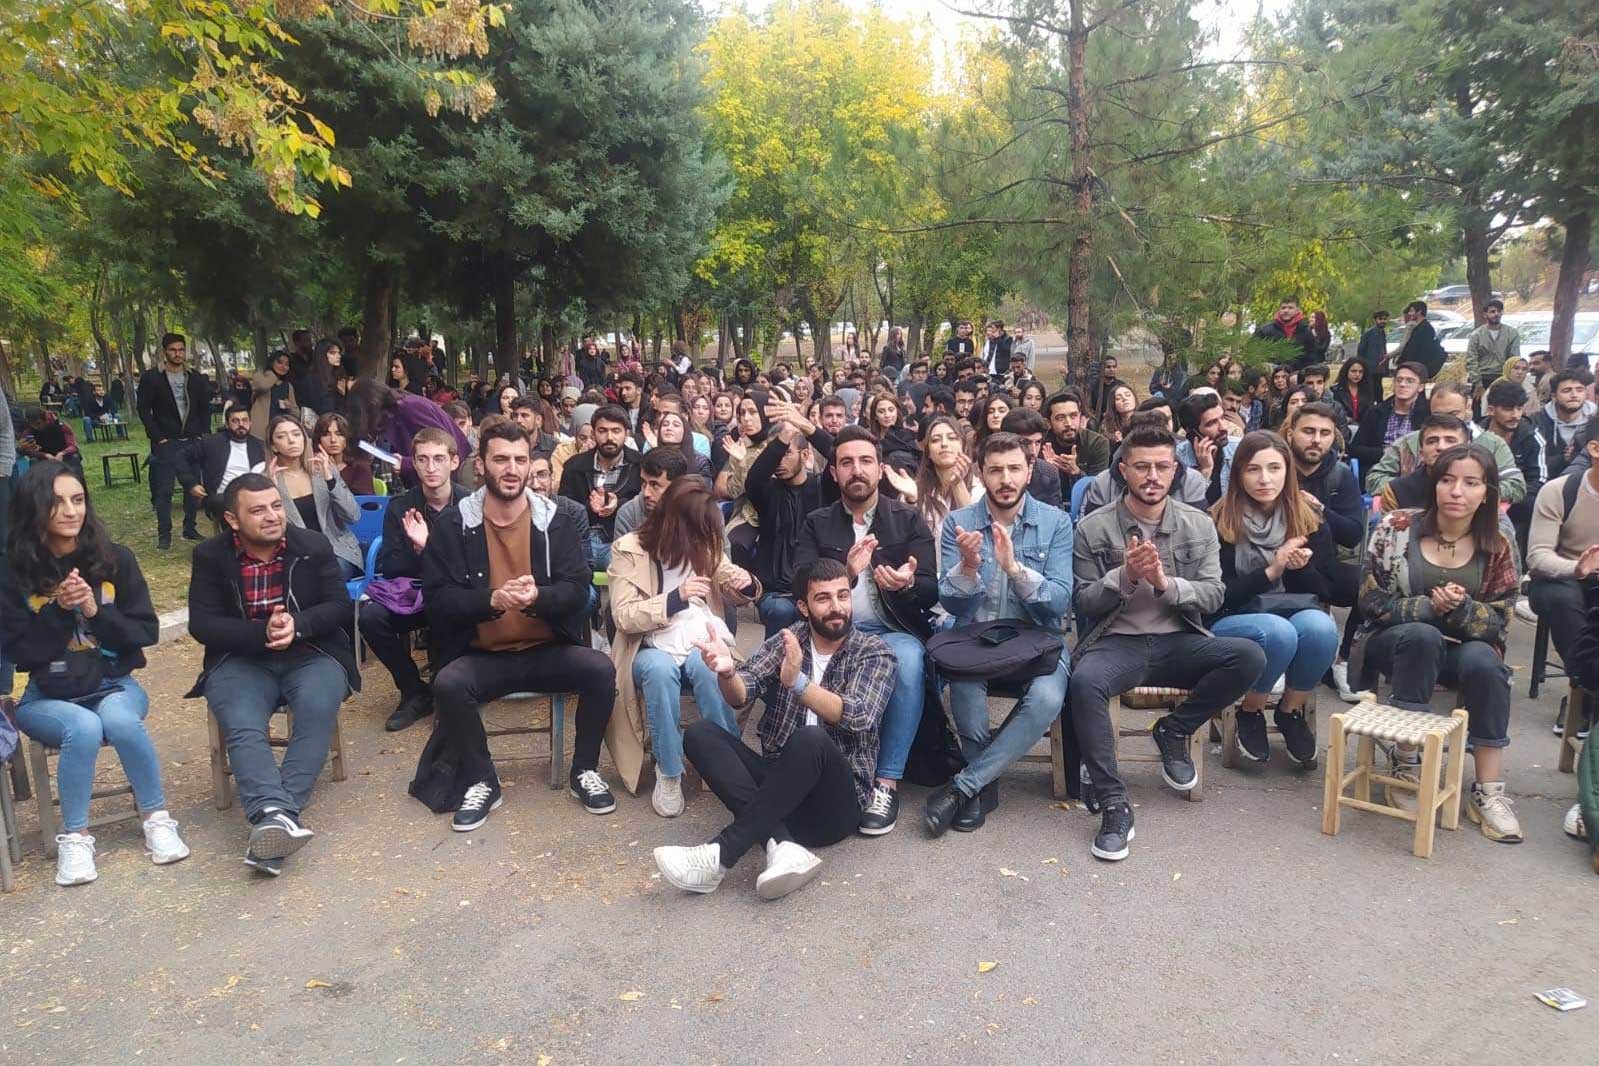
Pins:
x: 1493, y: 810
x: 1405, y: 770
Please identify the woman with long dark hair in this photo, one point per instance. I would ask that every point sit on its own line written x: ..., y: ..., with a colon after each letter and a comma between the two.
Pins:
x: 1113, y: 423
x: 1437, y: 591
x: 389, y: 418
x: 671, y: 582
x: 987, y: 418
x: 1033, y: 396
x: 324, y: 383
x: 668, y: 428
x: 406, y: 373
x: 946, y: 480
x: 1275, y: 555
x: 75, y: 613
x: 314, y: 496
x: 1355, y: 390
x: 884, y: 417
x: 331, y: 436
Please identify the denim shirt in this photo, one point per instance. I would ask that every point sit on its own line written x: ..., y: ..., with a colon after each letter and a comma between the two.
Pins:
x: 1185, y: 455
x: 1041, y: 593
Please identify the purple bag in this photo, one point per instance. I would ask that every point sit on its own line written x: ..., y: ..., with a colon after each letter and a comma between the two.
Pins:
x: 401, y: 595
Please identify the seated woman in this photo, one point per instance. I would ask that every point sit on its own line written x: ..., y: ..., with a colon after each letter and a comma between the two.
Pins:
x: 670, y: 583
x: 1113, y: 423
x: 314, y: 496
x: 668, y: 428
x: 1275, y: 551
x: 987, y: 417
x: 1437, y: 590
x: 884, y: 418
x: 75, y: 614
x: 947, y: 479
x: 331, y: 437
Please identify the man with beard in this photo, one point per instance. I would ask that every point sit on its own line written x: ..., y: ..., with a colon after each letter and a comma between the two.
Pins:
x: 506, y: 583
x: 602, y: 479
x: 206, y: 471
x: 1147, y: 570
x: 960, y: 344
x: 965, y: 399
x: 1561, y: 425
x: 175, y: 407
x: 1291, y: 329
x: 1205, y: 423
x: 1007, y: 556
x: 1070, y: 447
x: 1506, y: 420
x: 1101, y: 387
x: 825, y: 684
x: 657, y: 470
x: 887, y: 551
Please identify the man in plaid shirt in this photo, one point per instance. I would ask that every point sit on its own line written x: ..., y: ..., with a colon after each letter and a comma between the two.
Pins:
x: 825, y: 686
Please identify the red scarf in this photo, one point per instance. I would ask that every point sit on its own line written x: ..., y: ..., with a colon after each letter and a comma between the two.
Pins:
x: 1290, y: 324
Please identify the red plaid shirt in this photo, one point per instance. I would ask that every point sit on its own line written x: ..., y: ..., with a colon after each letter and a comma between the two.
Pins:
x: 263, y: 582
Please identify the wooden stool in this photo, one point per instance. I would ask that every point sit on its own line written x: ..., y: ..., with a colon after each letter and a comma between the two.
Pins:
x: 1056, y: 758
x: 1228, y: 724
x: 1579, y: 712
x: 1149, y: 698
x: 221, y: 770
x: 49, y: 826
x: 555, y: 727
x: 1372, y: 722
x: 11, y: 846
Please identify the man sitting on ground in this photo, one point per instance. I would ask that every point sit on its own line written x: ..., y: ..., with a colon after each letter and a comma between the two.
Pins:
x: 506, y: 582
x: 269, y: 605
x: 1005, y: 556
x: 1147, y: 569
x: 407, y: 525
x: 825, y: 684
x: 206, y: 471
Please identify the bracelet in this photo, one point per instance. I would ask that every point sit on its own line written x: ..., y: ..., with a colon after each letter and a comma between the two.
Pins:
x: 801, y: 683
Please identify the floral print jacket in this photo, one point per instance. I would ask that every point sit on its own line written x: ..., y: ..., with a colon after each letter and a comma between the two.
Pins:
x: 1387, y: 597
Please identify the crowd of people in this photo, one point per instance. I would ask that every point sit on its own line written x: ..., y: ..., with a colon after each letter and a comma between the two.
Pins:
x: 915, y: 536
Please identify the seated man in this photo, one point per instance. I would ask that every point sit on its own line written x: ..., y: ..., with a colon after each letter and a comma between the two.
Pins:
x: 783, y: 490
x: 1563, y: 549
x: 1449, y: 398
x: 1147, y: 569
x: 657, y: 470
x: 1438, y: 434
x: 1107, y: 485
x: 44, y: 436
x: 1005, y: 556
x: 825, y: 684
x: 1506, y: 419
x: 505, y: 579
x: 602, y: 479
x: 1073, y: 449
x: 1201, y: 417
x: 887, y: 550
x: 386, y: 624
x: 207, y: 469
x: 1044, y: 483
x: 267, y: 601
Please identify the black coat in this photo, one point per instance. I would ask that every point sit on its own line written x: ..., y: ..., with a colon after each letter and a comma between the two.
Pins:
x: 1343, y: 511
x: 397, y: 558
x: 997, y: 361
x: 125, y: 624
x: 158, y: 408
x: 577, y: 479
x: 206, y: 460
x: 782, y: 509
x: 1303, y: 338
x: 317, y: 596
x: 901, y: 532
x: 1424, y: 347
x: 1315, y: 579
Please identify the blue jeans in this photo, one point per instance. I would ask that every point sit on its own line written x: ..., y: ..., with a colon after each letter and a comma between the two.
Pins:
x: 777, y: 612
x: 244, y: 692
x: 660, y: 680
x: 903, y: 714
x: 1302, y: 647
x: 599, y: 549
x: 987, y: 755
x: 78, y: 732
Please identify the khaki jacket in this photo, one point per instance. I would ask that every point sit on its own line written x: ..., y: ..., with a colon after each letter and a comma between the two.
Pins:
x: 639, y: 607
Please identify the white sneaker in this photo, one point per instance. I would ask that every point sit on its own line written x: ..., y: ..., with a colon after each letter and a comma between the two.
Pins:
x: 1575, y: 826
x: 696, y: 869
x: 1492, y: 808
x: 161, y: 839
x: 1524, y: 611
x: 667, y: 799
x: 75, y: 859
x: 788, y: 867
x: 1340, y: 673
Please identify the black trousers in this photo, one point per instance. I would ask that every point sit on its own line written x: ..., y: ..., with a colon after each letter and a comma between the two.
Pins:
x: 1416, y: 657
x: 163, y: 476
x: 1345, y: 592
x: 1558, y: 601
x: 386, y: 634
x: 476, y: 678
x: 806, y: 794
x: 1216, y: 671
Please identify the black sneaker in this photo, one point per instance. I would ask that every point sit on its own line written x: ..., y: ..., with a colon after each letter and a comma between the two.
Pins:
x: 164, y: 541
x: 975, y: 811
x: 590, y: 787
x: 944, y: 803
x: 1251, y: 732
x: 270, y: 867
x: 1176, y: 768
x: 1115, y: 833
x: 1297, y: 737
x: 278, y: 834
x: 882, y: 811
x: 479, y: 800
x: 416, y: 706
x: 192, y: 534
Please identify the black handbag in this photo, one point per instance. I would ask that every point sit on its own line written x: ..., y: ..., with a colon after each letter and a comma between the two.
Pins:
x: 1002, y: 650
x: 1281, y: 604
x: 77, y: 674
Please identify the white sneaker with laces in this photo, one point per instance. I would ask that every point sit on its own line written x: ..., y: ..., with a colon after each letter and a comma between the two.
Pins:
x: 161, y: 839
x: 788, y: 867
x: 696, y: 869
x: 1524, y: 611
x: 75, y: 859
x: 1574, y: 824
x: 1340, y: 673
x: 667, y: 798
x: 1492, y: 809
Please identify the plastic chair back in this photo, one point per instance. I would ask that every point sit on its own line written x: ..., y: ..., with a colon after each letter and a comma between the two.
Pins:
x: 1079, y: 490
x: 369, y: 525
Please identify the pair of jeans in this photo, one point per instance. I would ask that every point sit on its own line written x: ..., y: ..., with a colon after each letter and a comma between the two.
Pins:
x: 599, y: 549
x: 387, y: 634
x: 163, y: 470
x: 659, y: 679
x: 1298, y: 649
x: 1558, y: 601
x: 805, y: 793
x: 777, y: 612
x: 1416, y: 657
x: 1215, y: 671
x: 480, y: 677
x: 987, y: 755
x: 77, y: 732
x: 903, y: 714
x: 244, y: 691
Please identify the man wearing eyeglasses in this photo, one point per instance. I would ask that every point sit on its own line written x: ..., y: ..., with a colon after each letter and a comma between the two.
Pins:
x: 175, y: 407
x: 1147, y: 570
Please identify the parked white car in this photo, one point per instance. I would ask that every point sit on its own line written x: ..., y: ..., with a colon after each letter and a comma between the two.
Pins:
x: 1534, y: 327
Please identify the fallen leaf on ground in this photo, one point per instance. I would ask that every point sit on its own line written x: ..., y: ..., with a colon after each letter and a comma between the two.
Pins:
x: 1051, y: 862
x: 715, y: 997
x: 1177, y: 876
x: 1509, y: 921
x: 1005, y: 871
x: 984, y: 967
x: 316, y: 982
x: 1064, y: 805
x: 1029, y: 1002
x: 631, y: 996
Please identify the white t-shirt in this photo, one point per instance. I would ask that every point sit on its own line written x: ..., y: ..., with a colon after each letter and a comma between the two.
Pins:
x: 238, y: 463
x: 818, y: 669
x: 683, y: 629
x: 861, y: 594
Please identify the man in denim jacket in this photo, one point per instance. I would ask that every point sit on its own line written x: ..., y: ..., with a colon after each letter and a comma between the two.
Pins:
x: 1005, y: 556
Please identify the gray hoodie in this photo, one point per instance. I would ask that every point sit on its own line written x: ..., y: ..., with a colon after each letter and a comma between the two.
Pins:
x: 1567, y: 431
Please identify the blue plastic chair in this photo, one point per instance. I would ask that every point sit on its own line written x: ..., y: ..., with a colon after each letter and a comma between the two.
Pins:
x: 357, y: 589
x: 1079, y: 490
x: 369, y: 524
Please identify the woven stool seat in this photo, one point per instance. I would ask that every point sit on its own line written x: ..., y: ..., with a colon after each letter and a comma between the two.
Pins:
x: 1153, y: 698
x: 1396, y: 726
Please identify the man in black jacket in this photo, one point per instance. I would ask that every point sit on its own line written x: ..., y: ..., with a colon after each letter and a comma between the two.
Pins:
x: 268, y: 603
x: 407, y: 525
x: 1290, y: 328
x: 1505, y: 417
x: 1373, y: 348
x: 602, y: 479
x: 505, y: 579
x: 1422, y: 344
x: 1387, y: 421
x: 887, y: 549
x: 783, y: 492
x: 996, y: 349
x: 210, y: 464
x: 175, y: 407
x: 1047, y: 484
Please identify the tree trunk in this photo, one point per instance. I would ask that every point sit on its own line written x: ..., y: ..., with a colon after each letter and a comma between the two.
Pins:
x: 378, y: 301
x: 1573, y: 267
x: 141, y: 336
x: 6, y: 381
x: 1079, y: 262
x: 505, y: 349
x: 1477, y: 244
